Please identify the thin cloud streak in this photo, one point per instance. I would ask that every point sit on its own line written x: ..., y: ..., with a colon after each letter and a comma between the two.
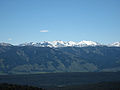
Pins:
x: 43, y: 31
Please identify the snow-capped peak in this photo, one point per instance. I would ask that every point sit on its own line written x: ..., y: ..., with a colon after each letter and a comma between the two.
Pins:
x: 116, y: 44
x: 5, y: 44
x: 58, y: 43
x: 71, y: 43
x: 87, y: 43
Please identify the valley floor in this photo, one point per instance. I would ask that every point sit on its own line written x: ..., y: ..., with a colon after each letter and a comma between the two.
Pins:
x: 64, y: 81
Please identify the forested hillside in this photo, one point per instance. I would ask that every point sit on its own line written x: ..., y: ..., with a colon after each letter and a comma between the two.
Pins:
x: 30, y: 59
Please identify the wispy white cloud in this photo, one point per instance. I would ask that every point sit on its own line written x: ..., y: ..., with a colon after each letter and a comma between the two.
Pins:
x: 9, y: 39
x: 44, y: 31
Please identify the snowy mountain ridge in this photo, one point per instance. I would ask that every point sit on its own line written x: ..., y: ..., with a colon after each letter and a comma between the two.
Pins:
x: 59, y: 43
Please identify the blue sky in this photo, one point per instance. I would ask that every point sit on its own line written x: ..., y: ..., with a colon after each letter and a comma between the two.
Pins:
x: 48, y: 20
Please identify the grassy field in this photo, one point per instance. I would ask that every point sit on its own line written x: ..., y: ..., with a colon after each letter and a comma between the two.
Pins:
x: 49, y: 80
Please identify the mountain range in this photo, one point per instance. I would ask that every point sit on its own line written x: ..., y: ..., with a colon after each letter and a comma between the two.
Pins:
x: 58, y: 43
x: 59, y: 56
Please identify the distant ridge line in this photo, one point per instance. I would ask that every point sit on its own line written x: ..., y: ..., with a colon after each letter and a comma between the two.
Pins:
x: 59, y: 43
